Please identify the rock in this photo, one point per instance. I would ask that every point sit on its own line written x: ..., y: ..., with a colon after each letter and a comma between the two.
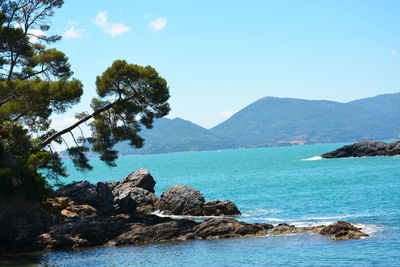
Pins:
x: 79, y: 210
x: 128, y: 199
x: 125, y: 203
x: 284, y: 228
x: 56, y: 205
x: 144, y: 199
x: 365, y: 149
x: 140, y: 178
x: 142, y: 233
x: 81, y: 232
x: 98, y: 196
x: 225, y: 228
x: 220, y: 208
x: 21, y: 221
x: 184, y: 200
x: 181, y: 200
x: 342, y: 230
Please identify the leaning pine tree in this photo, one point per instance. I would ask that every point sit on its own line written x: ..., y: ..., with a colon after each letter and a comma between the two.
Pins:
x: 36, y: 82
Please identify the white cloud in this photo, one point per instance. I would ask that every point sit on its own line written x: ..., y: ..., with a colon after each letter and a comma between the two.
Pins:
x: 73, y: 33
x: 394, y: 53
x: 158, y: 24
x: 34, y: 35
x: 227, y: 114
x: 108, y: 27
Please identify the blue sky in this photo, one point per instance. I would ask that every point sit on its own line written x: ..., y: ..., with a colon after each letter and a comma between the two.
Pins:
x: 220, y: 56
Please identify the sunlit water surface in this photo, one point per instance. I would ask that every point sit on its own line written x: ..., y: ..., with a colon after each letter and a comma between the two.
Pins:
x: 272, y: 185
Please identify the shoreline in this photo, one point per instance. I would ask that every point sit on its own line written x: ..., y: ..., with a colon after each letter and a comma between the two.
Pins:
x: 82, y: 215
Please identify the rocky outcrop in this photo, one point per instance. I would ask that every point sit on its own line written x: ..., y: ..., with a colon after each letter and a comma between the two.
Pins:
x: 184, y: 200
x: 131, y: 194
x: 70, y: 220
x: 343, y: 231
x: 98, y: 196
x: 227, y: 228
x: 21, y: 221
x: 365, y: 149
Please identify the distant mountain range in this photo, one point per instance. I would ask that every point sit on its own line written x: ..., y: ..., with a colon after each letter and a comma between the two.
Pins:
x: 272, y: 121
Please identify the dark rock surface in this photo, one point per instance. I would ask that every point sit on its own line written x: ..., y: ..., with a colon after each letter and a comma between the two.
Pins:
x: 365, y: 149
x: 220, y: 208
x: 70, y: 220
x: 181, y: 200
x: 140, y: 178
x: 21, y: 221
x: 343, y: 231
x: 184, y: 200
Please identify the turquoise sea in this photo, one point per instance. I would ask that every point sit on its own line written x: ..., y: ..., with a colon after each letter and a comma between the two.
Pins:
x: 272, y: 185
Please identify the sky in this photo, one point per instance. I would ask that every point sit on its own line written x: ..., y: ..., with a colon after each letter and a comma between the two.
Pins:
x: 220, y: 56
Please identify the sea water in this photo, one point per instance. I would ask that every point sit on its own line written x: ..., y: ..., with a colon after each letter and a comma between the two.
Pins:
x: 272, y: 185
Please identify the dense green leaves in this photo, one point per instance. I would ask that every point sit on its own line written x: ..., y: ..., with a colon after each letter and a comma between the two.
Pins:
x: 134, y: 95
x: 36, y: 82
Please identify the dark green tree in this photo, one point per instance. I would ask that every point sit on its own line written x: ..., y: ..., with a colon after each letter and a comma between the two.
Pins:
x: 36, y: 82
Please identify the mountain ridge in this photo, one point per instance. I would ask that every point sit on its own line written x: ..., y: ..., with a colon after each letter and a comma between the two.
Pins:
x: 273, y: 121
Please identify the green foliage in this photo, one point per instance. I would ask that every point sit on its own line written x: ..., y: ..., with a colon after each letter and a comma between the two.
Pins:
x: 36, y: 82
x: 135, y: 96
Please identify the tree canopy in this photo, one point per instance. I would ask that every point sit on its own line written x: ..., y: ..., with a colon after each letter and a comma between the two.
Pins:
x: 36, y: 82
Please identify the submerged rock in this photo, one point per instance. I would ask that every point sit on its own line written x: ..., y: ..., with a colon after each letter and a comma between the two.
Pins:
x: 365, y: 149
x: 342, y: 230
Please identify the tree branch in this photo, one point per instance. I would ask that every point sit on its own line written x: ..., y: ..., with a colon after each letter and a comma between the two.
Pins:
x: 76, y: 124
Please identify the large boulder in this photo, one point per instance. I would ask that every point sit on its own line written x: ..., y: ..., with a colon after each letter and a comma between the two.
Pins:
x: 182, y: 200
x: 135, y: 192
x: 140, y: 178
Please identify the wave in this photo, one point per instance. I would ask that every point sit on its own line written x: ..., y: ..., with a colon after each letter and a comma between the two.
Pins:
x: 250, y: 213
x: 313, y: 158
x: 339, y: 217
x: 369, y: 229
x: 189, y: 217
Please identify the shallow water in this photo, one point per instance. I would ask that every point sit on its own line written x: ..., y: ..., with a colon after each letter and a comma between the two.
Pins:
x: 270, y: 185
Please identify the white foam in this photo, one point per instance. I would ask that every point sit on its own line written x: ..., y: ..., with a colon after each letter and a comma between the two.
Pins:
x: 369, y: 229
x: 250, y: 213
x: 311, y: 224
x: 339, y: 217
x: 314, y: 158
x: 188, y: 217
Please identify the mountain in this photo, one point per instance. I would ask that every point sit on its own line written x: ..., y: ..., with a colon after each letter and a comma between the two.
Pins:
x: 271, y: 120
x: 176, y: 135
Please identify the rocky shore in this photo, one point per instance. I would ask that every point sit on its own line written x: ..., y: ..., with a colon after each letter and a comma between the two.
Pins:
x: 365, y: 149
x: 120, y: 213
